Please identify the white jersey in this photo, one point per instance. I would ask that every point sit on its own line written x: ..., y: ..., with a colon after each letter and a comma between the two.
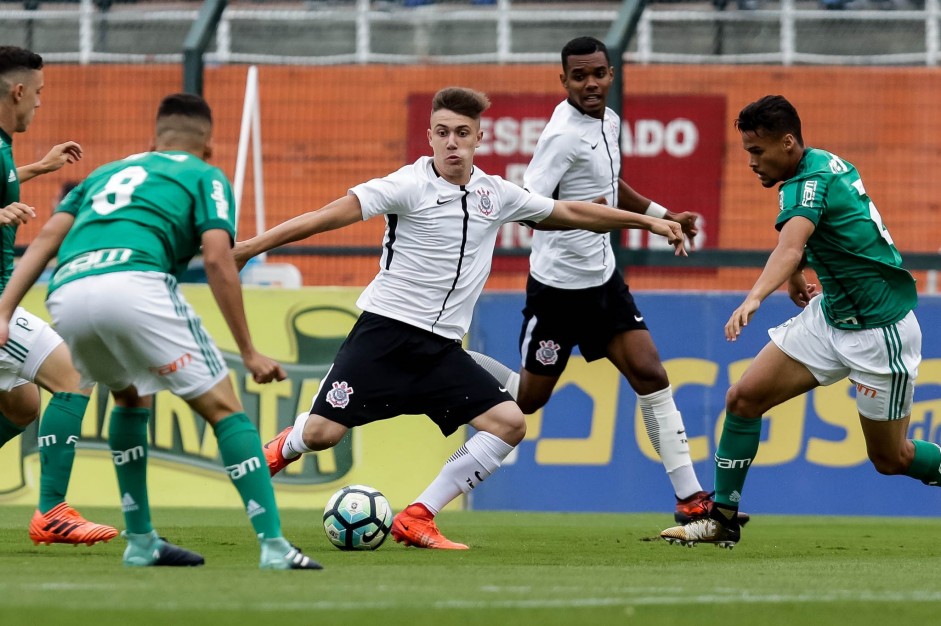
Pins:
x: 577, y: 157
x: 439, y: 240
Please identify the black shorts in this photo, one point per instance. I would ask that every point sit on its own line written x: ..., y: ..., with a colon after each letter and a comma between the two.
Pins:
x: 387, y: 368
x: 556, y: 320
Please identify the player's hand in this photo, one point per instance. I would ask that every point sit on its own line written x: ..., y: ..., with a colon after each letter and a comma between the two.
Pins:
x: 241, y: 254
x: 674, y: 234
x: 16, y: 213
x: 59, y: 155
x: 800, y: 291
x: 689, y: 221
x: 740, y: 318
x: 263, y: 369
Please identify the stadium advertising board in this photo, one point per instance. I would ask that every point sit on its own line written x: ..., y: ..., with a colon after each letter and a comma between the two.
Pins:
x: 303, y: 330
x: 588, y: 450
x: 665, y: 140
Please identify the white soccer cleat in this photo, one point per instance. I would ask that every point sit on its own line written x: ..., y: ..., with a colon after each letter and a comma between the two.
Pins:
x: 705, y: 530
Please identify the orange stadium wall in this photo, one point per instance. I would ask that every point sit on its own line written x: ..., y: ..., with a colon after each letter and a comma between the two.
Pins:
x: 327, y: 128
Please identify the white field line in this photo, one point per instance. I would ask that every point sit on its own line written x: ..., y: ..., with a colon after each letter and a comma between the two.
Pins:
x: 666, y: 599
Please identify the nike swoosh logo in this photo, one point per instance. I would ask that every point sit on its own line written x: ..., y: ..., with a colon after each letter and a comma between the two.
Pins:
x: 445, y: 201
x: 638, y: 318
x: 595, y: 146
x: 502, y: 389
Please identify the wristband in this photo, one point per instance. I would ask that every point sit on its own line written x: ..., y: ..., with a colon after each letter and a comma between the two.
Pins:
x: 655, y: 210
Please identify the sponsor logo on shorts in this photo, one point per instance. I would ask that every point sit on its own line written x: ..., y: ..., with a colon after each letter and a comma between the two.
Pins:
x: 339, y: 396
x: 548, y: 352
x: 869, y: 392
x: 173, y: 366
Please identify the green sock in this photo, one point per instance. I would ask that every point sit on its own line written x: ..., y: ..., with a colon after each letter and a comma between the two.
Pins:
x: 926, y: 466
x: 128, y: 441
x: 737, y: 448
x: 59, y: 430
x: 8, y: 430
x: 244, y: 460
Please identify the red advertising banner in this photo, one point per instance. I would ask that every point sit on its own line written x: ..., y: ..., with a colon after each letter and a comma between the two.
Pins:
x: 672, y: 149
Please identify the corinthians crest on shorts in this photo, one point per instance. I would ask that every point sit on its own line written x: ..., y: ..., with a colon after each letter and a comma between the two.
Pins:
x: 339, y: 396
x: 485, y: 203
x: 548, y: 352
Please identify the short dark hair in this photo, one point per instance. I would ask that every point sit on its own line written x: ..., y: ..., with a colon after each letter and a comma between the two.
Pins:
x: 461, y: 100
x: 16, y: 58
x: 583, y: 45
x: 773, y: 114
x: 185, y: 104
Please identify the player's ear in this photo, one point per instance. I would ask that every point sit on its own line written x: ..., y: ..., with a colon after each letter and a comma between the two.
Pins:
x: 480, y: 136
x: 429, y: 136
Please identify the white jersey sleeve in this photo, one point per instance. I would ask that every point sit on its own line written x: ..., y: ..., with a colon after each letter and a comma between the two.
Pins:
x: 522, y: 205
x: 396, y: 193
x: 552, y: 158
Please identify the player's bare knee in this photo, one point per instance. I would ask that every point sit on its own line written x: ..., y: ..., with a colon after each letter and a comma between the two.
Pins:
x: 739, y: 402
x: 322, y: 434
x: 20, y: 417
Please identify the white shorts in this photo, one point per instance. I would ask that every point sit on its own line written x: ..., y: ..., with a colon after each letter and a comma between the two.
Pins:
x: 135, y: 328
x: 882, y: 362
x: 31, y: 341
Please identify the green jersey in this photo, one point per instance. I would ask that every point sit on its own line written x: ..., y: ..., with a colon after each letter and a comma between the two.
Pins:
x: 144, y: 213
x: 860, y: 270
x: 9, y: 193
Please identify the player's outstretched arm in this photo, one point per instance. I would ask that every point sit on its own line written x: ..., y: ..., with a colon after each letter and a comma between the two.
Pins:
x: 34, y: 261
x: 630, y: 200
x: 783, y: 263
x: 339, y: 213
x: 59, y: 155
x: 223, y: 279
x: 602, y: 219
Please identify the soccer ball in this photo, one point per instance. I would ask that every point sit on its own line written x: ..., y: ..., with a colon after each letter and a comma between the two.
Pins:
x: 357, y: 517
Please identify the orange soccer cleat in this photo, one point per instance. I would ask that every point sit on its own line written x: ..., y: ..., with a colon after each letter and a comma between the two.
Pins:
x: 272, y: 450
x: 63, y: 524
x: 415, y: 526
x: 698, y: 506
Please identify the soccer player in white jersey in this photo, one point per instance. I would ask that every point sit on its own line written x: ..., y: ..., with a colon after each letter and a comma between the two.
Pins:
x: 404, y: 354
x: 122, y: 237
x: 575, y: 294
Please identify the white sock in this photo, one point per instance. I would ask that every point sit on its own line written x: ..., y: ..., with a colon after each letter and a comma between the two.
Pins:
x: 504, y: 375
x: 668, y: 435
x: 473, y: 462
x: 294, y: 445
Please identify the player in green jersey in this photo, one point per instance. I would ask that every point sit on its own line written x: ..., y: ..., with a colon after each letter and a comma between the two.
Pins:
x: 122, y: 236
x: 862, y: 327
x: 35, y: 354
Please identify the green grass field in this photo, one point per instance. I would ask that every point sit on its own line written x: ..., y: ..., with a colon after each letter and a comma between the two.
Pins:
x: 523, y: 568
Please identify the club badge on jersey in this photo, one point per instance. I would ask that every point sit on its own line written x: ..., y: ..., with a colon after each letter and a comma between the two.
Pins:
x: 485, y: 204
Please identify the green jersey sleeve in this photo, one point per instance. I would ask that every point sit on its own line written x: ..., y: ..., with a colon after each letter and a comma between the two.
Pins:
x: 215, y: 203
